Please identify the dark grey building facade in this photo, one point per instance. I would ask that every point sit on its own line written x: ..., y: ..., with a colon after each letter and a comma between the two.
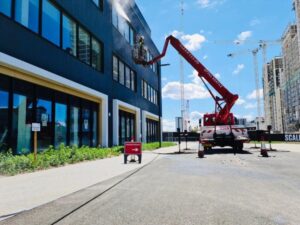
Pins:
x: 67, y: 65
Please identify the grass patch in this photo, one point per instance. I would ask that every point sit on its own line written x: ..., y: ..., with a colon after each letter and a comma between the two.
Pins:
x: 155, y: 145
x: 15, y: 164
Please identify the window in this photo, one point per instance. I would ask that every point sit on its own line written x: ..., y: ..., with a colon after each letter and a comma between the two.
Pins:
x: 84, y: 46
x: 69, y: 36
x: 44, y: 117
x: 131, y: 36
x: 128, y: 77
x: 27, y: 13
x: 96, y: 55
x: 132, y: 80
x: 51, y: 23
x: 4, y: 107
x: 60, y: 124
x: 115, y: 68
x: 96, y: 2
x: 121, y: 73
x: 115, y: 18
x: 86, y: 126
x: 95, y: 125
x: 126, y: 126
x: 74, y: 122
x: 5, y: 7
x: 22, y: 117
x: 99, y: 3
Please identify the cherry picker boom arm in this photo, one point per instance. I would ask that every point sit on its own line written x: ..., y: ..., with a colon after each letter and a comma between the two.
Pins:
x: 228, y: 98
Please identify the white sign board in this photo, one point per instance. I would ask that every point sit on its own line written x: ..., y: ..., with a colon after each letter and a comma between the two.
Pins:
x: 179, y: 124
x: 36, y: 127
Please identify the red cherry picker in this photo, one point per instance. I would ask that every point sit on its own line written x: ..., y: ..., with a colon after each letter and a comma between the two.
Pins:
x: 218, y: 128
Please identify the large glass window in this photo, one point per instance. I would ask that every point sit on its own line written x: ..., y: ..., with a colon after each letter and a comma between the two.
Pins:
x: 4, y: 113
x: 121, y: 73
x: 126, y: 127
x: 131, y: 36
x: 60, y: 124
x: 74, y: 122
x: 86, y: 126
x: 27, y: 13
x: 51, y: 22
x: 5, y: 7
x: 132, y: 78
x: 96, y: 54
x: 22, y: 117
x: 84, y: 46
x: 115, y: 17
x: 44, y: 117
x: 69, y: 36
x: 95, y: 126
x: 127, y: 76
x: 115, y: 68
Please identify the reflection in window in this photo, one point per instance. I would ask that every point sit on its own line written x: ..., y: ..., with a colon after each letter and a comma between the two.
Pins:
x: 3, y: 118
x: 74, y: 129
x: 69, y: 36
x: 115, y: 68
x: 5, y: 7
x: 127, y: 76
x: 121, y: 73
x: 132, y: 78
x: 60, y: 124
x: 84, y: 46
x: 44, y: 117
x: 95, y: 123
x: 22, y: 114
x: 96, y: 54
x: 27, y: 13
x: 86, y: 127
x: 51, y: 23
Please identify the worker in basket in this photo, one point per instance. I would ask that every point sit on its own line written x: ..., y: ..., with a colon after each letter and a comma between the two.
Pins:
x: 141, y: 44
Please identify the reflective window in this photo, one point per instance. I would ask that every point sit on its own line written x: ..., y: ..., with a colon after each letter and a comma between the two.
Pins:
x: 60, y: 124
x: 95, y: 125
x: 126, y: 127
x: 96, y: 2
x: 127, y: 76
x: 131, y: 36
x: 74, y: 125
x: 86, y: 129
x: 132, y: 78
x: 3, y: 114
x: 115, y: 68
x: 22, y: 117
x: 5, y: 7
x: 69, y: 36
x: 51, y: 22
x: 44, y: 117
x: 121, y: 73
x: 115, y: 18
x: 84, y: 47
x: 27, y: 13
x: 96, y: 54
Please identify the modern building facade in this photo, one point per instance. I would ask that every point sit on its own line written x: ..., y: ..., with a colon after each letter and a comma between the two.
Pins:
x: 272, y: 80
x: 67, y: 65
x: 291, y: 79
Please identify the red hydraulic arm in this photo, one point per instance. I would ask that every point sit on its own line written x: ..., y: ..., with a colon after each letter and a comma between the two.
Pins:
x: 228, y: 98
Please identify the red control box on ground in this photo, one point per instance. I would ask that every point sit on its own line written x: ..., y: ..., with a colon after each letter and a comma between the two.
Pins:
x: 132, y: 148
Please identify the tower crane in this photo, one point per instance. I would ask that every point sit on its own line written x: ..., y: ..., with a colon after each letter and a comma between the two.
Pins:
x: 254, y: 52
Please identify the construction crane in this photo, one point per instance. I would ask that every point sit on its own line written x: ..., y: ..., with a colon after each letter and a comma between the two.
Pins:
x: 219, y: 128
x: 254, y: 52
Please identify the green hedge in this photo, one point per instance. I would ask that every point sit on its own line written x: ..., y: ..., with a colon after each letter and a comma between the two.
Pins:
x: 14, y: 164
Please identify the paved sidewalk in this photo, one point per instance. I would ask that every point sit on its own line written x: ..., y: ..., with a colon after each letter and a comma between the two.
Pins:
x: 26, y: 191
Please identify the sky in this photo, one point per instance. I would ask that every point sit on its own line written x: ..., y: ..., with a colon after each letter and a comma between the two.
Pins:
x: 210, y: 29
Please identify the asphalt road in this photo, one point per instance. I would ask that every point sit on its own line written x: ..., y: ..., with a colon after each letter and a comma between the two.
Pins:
x: 222, y: 188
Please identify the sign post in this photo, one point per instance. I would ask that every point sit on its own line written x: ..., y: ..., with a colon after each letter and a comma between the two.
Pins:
x: 36, y: 127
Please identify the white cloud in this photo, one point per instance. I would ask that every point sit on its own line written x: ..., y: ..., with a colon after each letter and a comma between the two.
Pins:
x: 192, y: 42
x: 254, y: 22
x: 205, y: 57
x: 238, y: 69
x: 252, y: 95
x: 168, y: 125
x: 240, y: 101
x: 209, y: 3
x: 192, y: 91
x: 218, y: 76
x: 250, y: 106
x: 243, y: 36
x: 194, y: 118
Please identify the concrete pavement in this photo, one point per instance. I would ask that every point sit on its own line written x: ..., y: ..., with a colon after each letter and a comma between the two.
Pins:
x: 26, y: 191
